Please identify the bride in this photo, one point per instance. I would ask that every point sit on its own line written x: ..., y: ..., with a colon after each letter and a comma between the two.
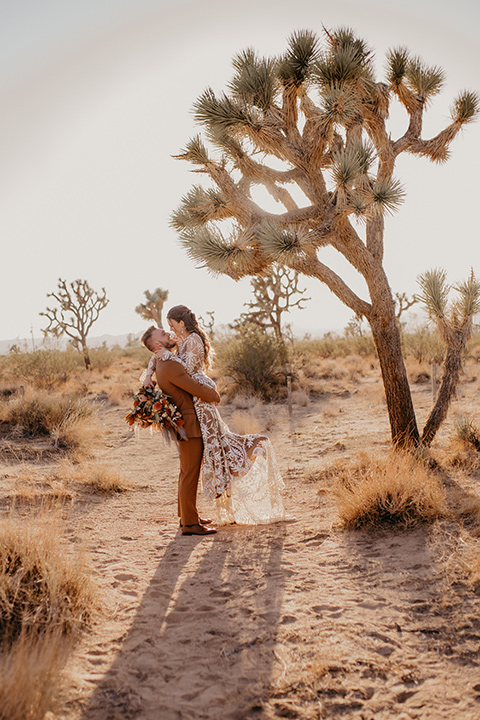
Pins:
x: 239, y: 471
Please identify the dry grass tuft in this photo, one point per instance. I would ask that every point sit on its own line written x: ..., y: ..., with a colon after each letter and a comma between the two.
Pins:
x: 244, y: 402
x: 69, y: 422
x: 376, y: 492
x: 118, y: 393
x: 104, y: 479
x: 45, y: 585
x: 245, y: 423
x: 301, y: 398
x: 29, y: 675
x: 46, y: 597
x: 95, y: 476
x: 467, y: 431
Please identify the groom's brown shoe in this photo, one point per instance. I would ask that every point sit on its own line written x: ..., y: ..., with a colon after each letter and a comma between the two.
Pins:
x: 197, y: 530
x: 201, y: 521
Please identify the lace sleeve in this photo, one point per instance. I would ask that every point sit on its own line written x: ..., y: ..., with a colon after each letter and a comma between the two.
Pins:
x: 169, y: 355
x: 192, y: 353
x: 149, y: 371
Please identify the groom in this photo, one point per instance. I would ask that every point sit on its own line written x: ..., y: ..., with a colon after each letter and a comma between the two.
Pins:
x: 175, y: 382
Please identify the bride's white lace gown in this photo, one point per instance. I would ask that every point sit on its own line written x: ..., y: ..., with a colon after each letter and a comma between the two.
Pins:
x: 239, y: 471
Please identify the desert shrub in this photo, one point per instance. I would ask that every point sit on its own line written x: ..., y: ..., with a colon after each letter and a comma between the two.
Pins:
x: 103, y: 357
x: 44, y: 369
x: 138, y: 352
x: 255, y: 361
x: 396, y: 489
x: 332, y: 345
x: 424, y: 344
x: 69, y: 421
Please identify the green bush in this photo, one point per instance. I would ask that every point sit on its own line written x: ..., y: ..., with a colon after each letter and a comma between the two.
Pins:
x: 44, y: 369
x: 255, y: 361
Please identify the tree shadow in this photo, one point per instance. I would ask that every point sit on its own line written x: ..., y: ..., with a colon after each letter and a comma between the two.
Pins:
x: 202, y: 642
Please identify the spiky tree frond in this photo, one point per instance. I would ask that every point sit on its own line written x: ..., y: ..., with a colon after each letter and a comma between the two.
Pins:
x: 344, y: 66
x: 197, y: 207
x: 386, y: 196
x: 278, y: 243
x: 344, y: 37
x: 434, y: 292
x: 194, y: 151
x: 208, y: 248
x: 466, y: 107
x: 294, y: 67
x: 397, y: 63
x: 358, y: 204
x: 345, y: 167
x: 221, y: 114
x: 469, y: 302
x: 351, y: 163
x: 254, y: 82
x: 340, y: 105
x: 425, y: 81
x: 347, y: 61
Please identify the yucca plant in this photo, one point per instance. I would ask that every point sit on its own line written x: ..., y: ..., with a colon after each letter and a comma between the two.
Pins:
x: 314, y: 120
x: 454, y: 322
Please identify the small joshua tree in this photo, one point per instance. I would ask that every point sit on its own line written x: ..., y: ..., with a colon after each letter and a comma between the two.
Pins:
x: 79, y: 307
x: 273, y: 295
x: 455, y: 327
x: 152, y: 308
x: 311, y: 127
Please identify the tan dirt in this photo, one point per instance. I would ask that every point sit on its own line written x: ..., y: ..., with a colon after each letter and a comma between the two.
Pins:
x: 299, y: 619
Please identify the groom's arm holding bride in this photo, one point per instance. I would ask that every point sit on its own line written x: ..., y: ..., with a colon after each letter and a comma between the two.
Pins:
x: 172, y: 373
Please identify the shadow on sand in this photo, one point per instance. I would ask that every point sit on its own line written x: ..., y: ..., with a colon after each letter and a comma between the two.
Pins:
x: 201, y: 644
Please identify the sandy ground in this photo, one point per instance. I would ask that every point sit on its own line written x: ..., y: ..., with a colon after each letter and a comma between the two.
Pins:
x: 299, y: 619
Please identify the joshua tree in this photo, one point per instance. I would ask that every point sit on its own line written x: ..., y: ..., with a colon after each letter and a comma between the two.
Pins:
x: 273, y: 295
x: 152, y: 308
x: 455, y: 328
x: 339, y: 157
x: 403, y: 303
x: 79, y: 307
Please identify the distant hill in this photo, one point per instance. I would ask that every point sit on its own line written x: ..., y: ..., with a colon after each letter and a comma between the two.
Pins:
x: 23, y: 343
x: 121, y: 340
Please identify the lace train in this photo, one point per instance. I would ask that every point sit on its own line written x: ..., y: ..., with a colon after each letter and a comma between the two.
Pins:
x: 254, y: 498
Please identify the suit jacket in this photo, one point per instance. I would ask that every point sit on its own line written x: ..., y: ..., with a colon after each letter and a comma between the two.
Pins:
x: 174, y: 381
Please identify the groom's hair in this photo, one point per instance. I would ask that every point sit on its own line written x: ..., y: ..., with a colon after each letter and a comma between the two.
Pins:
x: 146, y: 337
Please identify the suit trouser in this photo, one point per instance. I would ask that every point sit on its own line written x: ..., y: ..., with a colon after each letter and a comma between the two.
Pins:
x: 190, y: 453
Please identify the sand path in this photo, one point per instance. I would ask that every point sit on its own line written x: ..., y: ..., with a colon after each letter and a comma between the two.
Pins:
x: 298, y: 619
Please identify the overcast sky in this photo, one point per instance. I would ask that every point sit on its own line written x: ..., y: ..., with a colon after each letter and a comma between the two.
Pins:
x: 96, y: 97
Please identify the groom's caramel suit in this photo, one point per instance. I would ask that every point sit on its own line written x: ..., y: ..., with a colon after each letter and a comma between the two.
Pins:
x: 175, y: 382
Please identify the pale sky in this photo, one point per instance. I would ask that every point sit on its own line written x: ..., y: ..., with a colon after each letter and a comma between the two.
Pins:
x: 96, y: 97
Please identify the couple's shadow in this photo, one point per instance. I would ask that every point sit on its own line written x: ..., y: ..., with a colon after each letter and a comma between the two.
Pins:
x: 202, y: 642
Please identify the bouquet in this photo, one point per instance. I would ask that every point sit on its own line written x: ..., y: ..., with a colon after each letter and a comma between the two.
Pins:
x: 151, y: 408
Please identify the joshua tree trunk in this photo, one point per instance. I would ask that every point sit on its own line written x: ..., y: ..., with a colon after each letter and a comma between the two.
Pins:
x: 451, y: 372
x: 86, y: 355
x: 401, y: 413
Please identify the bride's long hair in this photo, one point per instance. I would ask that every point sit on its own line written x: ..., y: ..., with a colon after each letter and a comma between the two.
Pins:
x: 182, y: 312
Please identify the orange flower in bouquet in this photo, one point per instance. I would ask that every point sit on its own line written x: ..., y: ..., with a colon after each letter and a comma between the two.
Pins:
x: 153, y: 409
